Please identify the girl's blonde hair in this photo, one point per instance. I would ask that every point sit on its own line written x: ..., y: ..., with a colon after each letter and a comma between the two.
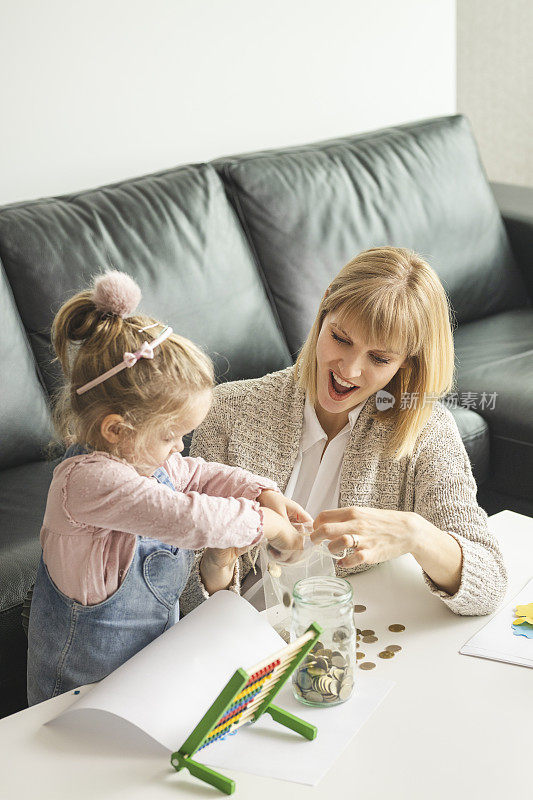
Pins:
x: 150, y: 395
x: 395, y: 297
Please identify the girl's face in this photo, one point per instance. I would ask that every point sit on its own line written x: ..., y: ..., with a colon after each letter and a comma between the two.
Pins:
x: 169, y: 440
x: 350, y: 369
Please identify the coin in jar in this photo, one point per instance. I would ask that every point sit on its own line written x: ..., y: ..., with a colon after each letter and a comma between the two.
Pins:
x: 304, y: 681
x: 345, y: 691
x: 313, y: 697
x: 337, y: 660
x: 315, y: 671
x: 396, y: 628
x: 286, y: 599
x: 341, y: 634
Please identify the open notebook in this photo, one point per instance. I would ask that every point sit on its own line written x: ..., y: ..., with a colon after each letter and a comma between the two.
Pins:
x: 496, y: 639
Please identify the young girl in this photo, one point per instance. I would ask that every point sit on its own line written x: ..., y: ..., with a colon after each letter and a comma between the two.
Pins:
x: 125, y: 513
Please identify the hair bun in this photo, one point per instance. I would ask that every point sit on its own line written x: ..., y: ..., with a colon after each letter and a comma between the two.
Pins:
x: 116, y: 293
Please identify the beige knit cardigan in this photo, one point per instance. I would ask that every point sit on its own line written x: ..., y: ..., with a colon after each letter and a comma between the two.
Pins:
x: 257, y: 424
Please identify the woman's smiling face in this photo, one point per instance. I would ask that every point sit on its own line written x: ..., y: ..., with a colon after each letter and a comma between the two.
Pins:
x: 350, y: 369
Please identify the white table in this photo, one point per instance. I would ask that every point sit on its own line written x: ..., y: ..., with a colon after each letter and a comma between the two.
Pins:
x: 450, y: 728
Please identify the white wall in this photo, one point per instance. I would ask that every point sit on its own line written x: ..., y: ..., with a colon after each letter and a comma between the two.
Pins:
x: 495, y: 83
x: 94, y: 91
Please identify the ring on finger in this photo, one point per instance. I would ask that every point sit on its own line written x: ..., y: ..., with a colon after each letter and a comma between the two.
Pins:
x: 355, y: 542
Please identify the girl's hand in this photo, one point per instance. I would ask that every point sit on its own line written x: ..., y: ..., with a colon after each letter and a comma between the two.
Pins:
x: 217, y: 566
x: 375, y: 534
x: 282, y: 505
x: 285, y: 542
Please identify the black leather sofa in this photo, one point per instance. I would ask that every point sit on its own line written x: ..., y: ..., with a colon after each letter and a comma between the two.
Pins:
x: 235, y: 254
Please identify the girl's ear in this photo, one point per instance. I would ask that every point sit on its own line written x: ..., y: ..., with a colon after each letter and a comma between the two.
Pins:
x: 110, y: 428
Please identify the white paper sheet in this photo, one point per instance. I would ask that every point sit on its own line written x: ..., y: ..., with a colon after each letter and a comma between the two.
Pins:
x: 166, y: 688
x: 266, y: 748
x: 496, y: 640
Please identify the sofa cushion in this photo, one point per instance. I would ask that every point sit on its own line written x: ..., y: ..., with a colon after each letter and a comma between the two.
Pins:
x: 23, y: 492
x: 474, y: 432
x: 25, y: 427
x: 177, y: 235
x: 308, y: 210
x: 495, y: 355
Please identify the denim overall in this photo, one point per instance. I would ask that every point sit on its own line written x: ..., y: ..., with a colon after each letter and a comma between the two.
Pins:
x: 70, y: 644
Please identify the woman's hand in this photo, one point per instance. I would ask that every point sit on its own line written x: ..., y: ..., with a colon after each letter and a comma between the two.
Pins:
x: 375, y: 534
x: 282, y: 505
x: 379, y: 535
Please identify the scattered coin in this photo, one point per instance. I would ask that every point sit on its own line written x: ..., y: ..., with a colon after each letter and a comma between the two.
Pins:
x: 368, y: 632
x: 369, y: 639
x: 359, y: 609
x: 367, y: 665
x: 396, y: 628
x: 359, y: 656
x: 286, y: 599
x: 386, y: 654
x: 358, y: 631
x: 393, y: 648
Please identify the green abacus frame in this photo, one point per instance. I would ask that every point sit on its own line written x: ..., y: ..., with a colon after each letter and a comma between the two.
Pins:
x: 214, y: 716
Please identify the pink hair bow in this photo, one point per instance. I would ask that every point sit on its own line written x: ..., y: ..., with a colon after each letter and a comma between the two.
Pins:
x: 146, y: 350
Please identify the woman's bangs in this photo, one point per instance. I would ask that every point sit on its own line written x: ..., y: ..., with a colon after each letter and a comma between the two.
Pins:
x: 383, y: 324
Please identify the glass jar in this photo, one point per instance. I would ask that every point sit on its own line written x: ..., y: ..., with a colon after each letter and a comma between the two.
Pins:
x: 325, y: 676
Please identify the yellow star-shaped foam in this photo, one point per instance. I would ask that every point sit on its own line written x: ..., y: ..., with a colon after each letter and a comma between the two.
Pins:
x: 525, y: 613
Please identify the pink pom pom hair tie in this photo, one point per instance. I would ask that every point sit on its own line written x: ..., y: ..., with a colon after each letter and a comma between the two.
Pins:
x: 146, y: 350
x: 117, y: 293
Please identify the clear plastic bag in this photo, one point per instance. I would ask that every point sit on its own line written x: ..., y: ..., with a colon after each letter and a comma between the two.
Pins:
x: 279, y: 578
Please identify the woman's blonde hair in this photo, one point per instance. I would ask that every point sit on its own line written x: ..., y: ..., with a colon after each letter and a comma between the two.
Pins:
x: 395, y: 297
x: 151, y: 394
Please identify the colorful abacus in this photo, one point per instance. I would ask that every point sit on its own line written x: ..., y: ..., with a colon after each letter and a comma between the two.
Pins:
x: 233, y: 719
x: 246, y: 696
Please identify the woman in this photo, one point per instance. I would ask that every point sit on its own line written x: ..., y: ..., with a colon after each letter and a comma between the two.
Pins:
x: 355, y: 434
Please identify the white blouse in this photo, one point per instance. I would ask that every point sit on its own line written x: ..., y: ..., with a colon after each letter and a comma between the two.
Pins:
x: 315, y: 483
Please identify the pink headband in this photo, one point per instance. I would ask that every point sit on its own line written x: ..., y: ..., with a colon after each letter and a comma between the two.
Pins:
x: 146, y: 351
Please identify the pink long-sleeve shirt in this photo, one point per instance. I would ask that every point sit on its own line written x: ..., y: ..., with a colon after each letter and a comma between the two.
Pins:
x: 97, y: 504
